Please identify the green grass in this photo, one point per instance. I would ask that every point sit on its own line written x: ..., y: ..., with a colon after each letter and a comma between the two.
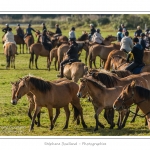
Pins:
x: 15, y: 122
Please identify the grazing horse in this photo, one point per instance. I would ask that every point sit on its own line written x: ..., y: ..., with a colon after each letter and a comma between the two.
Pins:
x: 138, y: 95
x: 19, y: 41
x: 119, y: 63
x: 30, y: 98
x: 102, y: 97
x: 99, y: 50
x: 10, y: 51
x: 75, y: 71
x: 29, y: 40
x: 46, y: 95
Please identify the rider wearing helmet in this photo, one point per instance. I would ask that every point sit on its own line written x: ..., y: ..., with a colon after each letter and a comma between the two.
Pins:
x: 44, y: 27
x: 92, y: 31
x: 72, y: 34
x: 138, y: 32
x: 142, y: 40
x: 28, y: 31
x: 119, y: 35
x: 58, y: 31
x: 97, y: 38
x: 19, y: 31
x: 6, y: 28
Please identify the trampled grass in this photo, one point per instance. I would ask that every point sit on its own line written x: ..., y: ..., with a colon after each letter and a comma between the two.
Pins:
x: 15, y: 122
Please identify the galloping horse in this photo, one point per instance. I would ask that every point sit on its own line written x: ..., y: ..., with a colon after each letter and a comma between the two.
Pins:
x: 102, y: 97
x: 29, y: 40
x: 46, y: 95
x: 10, y: 51
x: 134, y: 94
x: 19, y: 41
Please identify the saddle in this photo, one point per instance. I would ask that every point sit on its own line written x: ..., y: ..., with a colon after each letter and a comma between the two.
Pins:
x: 138, y: 69
x: 72, y: 61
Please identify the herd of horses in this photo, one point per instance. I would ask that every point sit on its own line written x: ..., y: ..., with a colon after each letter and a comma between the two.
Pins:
x: 110, y: 89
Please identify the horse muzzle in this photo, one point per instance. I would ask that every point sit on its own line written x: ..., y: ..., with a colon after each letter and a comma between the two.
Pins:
x: 79, y: 94
x: 14, y: 102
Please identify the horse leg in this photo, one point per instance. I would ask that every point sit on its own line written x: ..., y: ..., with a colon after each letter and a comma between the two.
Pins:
x: 78, y: 110
x: 110, y: 117
x: 37, y: 110
x: 126, y: 117
x: 48, y: 60
x: 57, y: 114
x: 94, y: 60
x: 86, y: 56
x: 36, y: 62
x: 50, y: 110
x: 38, y: 117
x: 66, y: 108
x: 55, y: 62
x: 137, y: 110
x: 7, y: 61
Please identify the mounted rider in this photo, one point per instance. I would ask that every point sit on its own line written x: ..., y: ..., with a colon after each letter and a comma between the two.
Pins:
x: 28, y: 31
x: 20, y: 31
x: 119, y: 35
x: 142, y: 40
x: 72, y: 56
x: 72, y: 34
x: 46, y: 41
x: 138, y: 53
x: 138, y: 32
x: 44, y: 27
x: 92, y: 31
x: 58, y: 31
x: 6, y: 28
x: 97, y: 38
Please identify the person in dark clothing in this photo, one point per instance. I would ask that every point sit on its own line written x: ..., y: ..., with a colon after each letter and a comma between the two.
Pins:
x: 58, y: 31
x: 142, y: 41
x: 6, y: 28
x: 44, y: 27
x: 72, y: 56
x: 46, y: 41
x: 138, y: 32
x: 19, y: 31
x: 28, y: 31
x: 138, y: 53
x: 92, y: 31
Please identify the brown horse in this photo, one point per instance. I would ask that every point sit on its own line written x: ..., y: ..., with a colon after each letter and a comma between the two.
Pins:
x: 75, y: 71
x: 102, y: 97
x: 29, y: 40
x: 99, y: 50
x: 119, y: 63
x: 19, y: 41
x: 83, y: 37
x: 134, y: 94
x: 146, y: 57
x: 46, y: 95
x: 10, y: 50
x: 53, y: 54
x: 30, y: 98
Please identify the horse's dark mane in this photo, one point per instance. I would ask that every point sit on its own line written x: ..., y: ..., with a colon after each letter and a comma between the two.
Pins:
x: 121, y: 73
x: 40, y: 84
x: 107, y: 79
x: 142, y: 92
x: 97, y: 84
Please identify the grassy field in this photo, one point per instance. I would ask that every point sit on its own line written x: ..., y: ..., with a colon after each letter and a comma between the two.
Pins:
x: 15, y: 122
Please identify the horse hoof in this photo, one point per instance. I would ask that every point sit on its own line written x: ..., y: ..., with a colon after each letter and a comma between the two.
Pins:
x: 51, y: 127
x: 78, y: 122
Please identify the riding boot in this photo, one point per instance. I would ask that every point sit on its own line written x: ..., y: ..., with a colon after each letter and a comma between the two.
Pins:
x: 61, y: 75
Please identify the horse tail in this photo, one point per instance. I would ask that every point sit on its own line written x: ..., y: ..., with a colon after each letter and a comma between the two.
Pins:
x: 76, y: 113
x: 107, y: 63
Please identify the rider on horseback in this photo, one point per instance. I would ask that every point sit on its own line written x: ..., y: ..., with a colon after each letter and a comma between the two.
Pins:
x: 97, y: 38
x: 72, y: 34
x: 138, y: 52
x: 142, y: 40
x: 6, y: 28
x: 19, y: 31
x: 58, y: 31
x: 72, y: 56
x: 119, y: 35
x: 44, y: 27
x: 92, y: 31
x: 28, y: 31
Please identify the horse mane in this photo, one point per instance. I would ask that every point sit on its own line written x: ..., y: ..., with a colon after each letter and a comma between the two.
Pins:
x: 121, y: 73
x: 98, y: 84
x: 120, y: 57
x: 40, y: 84
x: 107, y: 79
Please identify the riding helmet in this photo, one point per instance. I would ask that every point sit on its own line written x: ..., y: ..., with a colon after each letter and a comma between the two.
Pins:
x: 73, y: 28
x: 18, y: 24
x: 135, y: 39
x: 142, y: 34
x: 7, y: 25
x: 91, y: 25
x: 97, y: 30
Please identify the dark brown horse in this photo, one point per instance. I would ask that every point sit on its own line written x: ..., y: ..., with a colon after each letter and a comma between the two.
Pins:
x: 46, y: 95
x: 138, y: 95
x: 19, y: 41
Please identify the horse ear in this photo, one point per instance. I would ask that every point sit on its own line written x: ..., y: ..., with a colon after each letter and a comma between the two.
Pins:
x: 133, y: 83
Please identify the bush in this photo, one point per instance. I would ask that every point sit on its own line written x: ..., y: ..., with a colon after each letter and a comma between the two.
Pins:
x: 103, y: 21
